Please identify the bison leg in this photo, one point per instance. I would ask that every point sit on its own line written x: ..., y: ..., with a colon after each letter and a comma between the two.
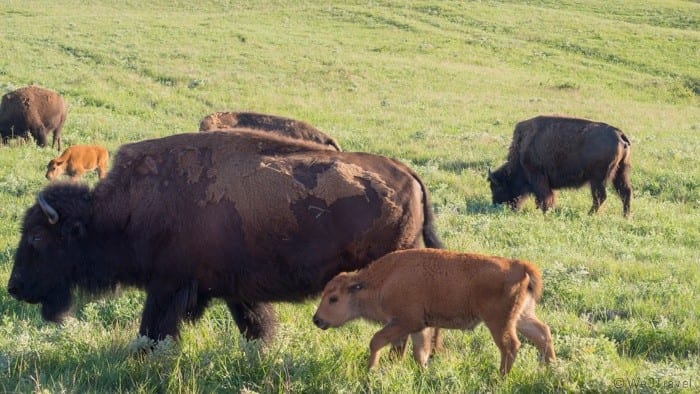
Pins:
x: 623, y: 186
x: 57, y: 137
x: 200, y: 306
x: 40, y: 136
x: 164, y: 310
x: 544, y: 195
x: 599, y: 195
x: 256, y: 320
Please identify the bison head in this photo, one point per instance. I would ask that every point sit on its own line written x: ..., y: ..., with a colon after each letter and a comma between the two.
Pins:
x: 507, y: 186
x: 45, y: 261
x: 339, y: 303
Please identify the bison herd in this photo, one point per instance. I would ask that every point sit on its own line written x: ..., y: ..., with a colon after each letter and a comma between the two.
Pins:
x: 257, y: 209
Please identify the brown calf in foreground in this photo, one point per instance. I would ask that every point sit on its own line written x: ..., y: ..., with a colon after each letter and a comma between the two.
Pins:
x: 77, y: 159
x: 411, y: 291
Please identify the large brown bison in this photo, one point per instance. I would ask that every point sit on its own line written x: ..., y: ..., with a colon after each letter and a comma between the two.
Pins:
x: 247, y: 217
x: 276, y: 124
x: 35, y: 110
x: 549, y: 153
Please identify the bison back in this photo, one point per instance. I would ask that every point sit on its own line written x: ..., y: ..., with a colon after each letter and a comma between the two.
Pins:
x: 275, y: 220
x: 569, y: 151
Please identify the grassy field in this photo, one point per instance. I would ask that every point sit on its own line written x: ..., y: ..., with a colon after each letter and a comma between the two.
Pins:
x: 436, y: 84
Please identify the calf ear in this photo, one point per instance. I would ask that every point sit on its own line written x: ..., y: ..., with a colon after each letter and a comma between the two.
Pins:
x: 355, y: 287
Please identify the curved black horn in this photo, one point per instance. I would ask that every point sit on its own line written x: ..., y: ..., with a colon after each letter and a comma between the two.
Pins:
x: 50, y: 213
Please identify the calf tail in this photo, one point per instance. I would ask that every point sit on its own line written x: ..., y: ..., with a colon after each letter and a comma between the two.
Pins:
x: 534, y: 286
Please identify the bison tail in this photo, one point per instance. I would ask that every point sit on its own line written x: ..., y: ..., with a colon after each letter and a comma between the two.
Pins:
x: 624, y: 139
x: 430, y: 236
x: 534, y: 286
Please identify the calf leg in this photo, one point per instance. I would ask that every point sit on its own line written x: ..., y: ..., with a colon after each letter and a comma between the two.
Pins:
x: 398, y: 348
x: 506, y: 339
x: 256, y: 320
x: 388, y: 334
x: 599, y: 195
x: 538, y: 333
x: 422, y: 343
x: 77, y: 173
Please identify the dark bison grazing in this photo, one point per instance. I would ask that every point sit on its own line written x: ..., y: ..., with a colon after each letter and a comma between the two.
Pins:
x: 264, y: 122
x: 247, y: 217
x: 35, y: 110
x: 549, y: 153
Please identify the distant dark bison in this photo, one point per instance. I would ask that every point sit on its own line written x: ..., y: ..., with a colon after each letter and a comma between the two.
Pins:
x: 247, y: 217
x: 271, y: 123
x: 35, y: 110
x: 549, y: 153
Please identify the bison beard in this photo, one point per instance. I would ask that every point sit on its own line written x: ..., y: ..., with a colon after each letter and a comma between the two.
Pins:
x: 56, y: 305
x: 245, y: 217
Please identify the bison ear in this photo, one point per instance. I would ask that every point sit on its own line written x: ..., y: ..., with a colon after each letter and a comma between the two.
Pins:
x: 492, y: 178
x: 355, y: 287
x: 74, y: 231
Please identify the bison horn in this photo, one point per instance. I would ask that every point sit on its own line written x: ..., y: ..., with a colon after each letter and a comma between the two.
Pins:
x: 50, y: 213
x: 491, y: 178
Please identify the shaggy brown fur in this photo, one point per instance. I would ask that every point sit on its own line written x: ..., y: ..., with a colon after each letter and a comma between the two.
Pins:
x: 35, y: 110
x: 78, y: 159
x: 410, y: 291
x: 247, y: 217
x: 264, y: 122
x: 549, y: 153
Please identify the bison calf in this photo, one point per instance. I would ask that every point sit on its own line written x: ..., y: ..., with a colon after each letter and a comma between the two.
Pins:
x: 411, y: 291
x: 78, y: 159
x: 549, y: 153
x: 275, y: 124
x: 35, y: 110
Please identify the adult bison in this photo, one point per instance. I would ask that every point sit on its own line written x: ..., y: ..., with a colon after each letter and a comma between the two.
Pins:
x: 247, y: 217
x: 35, y: 110
x: 264, y: 122
x: 549, y: 153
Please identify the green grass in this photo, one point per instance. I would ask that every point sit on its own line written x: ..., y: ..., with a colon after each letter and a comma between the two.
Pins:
x: 437, y: 84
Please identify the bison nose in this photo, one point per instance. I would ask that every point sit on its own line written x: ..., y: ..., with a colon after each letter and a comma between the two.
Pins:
x: 320, y: 323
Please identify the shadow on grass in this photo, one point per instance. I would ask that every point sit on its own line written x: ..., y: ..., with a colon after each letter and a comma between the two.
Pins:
x: 457, y: 166
x: 483, y: 206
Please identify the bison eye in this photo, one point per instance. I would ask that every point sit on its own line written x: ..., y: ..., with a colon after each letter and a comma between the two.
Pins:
x: 333, y: 300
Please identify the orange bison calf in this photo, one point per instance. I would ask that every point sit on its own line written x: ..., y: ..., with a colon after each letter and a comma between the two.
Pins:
x: 78, y: 159
x: 412, y: 290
